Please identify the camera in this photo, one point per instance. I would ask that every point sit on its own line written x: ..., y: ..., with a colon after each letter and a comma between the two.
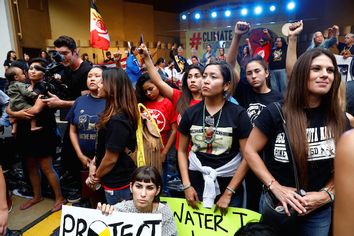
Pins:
x: 55, y: 66
x: 51, y: 84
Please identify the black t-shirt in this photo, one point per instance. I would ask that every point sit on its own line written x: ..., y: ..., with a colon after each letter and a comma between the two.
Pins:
x: 7, y: 63
x: 254, y: 102
x: 234, y: 124
x: 76, y: 80
x: 321, y: 148
x: 277, y: 59
x: 117, y: 135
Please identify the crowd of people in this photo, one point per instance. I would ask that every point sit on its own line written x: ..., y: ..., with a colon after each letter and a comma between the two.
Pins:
x: 218, y: 118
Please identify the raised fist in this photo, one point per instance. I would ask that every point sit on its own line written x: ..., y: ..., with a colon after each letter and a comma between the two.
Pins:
x: 296, y: 28
x: 242, y: 27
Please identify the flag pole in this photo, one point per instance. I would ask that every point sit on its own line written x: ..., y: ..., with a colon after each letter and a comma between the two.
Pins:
x: 103, y: 54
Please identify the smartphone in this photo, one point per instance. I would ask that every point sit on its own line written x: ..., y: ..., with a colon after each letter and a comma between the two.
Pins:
x: 141, y: 41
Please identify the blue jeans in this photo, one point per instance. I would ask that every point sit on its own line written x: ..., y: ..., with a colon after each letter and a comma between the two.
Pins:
x: 316, y: 223
x: 115, y: 196
x: 278, y: 80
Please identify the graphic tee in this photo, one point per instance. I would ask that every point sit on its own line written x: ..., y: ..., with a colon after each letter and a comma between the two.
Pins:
x: 164, y: 114
x: 234, y: 125
x: 84, y: 114
x: 254, y: 102
x: 321, y: 148
x: 277, y: 59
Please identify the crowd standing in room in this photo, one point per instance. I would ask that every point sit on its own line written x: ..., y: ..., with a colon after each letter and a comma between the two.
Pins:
x: 230, y: 122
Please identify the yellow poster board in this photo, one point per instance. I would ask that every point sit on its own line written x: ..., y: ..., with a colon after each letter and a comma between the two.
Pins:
x: 203, y: 222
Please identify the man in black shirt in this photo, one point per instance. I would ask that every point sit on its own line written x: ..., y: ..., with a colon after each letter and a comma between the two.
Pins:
x: 74, y: 76
x: 346, y: 49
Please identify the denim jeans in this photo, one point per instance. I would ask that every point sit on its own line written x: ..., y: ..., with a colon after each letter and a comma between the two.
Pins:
x: 278, y: 80
x: 115, y: 196
x: 316, y: 223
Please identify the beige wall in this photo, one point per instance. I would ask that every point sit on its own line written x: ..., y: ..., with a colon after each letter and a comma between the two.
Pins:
x: 35, y: 23
x: 125, y: 21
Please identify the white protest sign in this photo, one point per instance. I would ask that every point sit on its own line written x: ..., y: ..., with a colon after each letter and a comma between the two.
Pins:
x: 77, y: 221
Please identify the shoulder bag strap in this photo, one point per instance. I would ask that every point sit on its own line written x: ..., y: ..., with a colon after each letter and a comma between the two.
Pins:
x: 290, y: 153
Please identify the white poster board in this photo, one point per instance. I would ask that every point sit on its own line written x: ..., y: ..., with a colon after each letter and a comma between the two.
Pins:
x: 344, y: 65
x: 77, y: 221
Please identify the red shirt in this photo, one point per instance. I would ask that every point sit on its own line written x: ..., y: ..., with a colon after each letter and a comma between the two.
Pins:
x: 164, y: 114
x: 175, y: 97
x: 263, y: 51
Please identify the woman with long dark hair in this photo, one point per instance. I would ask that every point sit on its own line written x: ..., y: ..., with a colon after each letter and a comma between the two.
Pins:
x: 116, y: 136
x: 189, y: 95
x: 254, y: 96
x: 218, y: 129
x: 315, y: 122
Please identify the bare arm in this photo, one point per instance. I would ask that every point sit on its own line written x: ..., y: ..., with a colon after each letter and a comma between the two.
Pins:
x: 291, y: 56
x: 235, y: 182
x: 164, y: 88
x: 344, y: 175
x: 249, y: 46
x: 22, y: 114
x: 55, y: 102
x: 240, y: 29
x: 156, y: 49
x: 190, y: 193
x: 286, y: 195
x: 171, y: 140
x: 109, y: 160
x: 75, y: 141
x: 3, y: 205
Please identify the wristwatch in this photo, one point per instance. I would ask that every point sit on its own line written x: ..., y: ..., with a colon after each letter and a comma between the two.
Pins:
x: 329, y: 192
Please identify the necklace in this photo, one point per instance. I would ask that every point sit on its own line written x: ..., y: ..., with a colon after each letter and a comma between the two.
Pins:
x: 209, y: 138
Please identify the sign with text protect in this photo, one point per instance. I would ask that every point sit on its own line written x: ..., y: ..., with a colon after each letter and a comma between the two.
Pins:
x: 90, y: 222
x: 203, y: 222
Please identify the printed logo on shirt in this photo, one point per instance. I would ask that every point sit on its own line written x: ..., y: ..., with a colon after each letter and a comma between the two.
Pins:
x: 261, y: 53
x: 87, y: 122
x: 221, y: 144
x: 254, y: 110
x: 277, y: 55
x: 321, y: 146
x: 159, y: 118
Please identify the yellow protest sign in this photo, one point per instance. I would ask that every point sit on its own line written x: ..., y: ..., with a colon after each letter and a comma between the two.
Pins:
x: 191, y: 222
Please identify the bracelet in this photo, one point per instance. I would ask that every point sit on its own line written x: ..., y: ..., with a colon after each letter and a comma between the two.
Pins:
x: 185, y: 187
x: 270, y: 184
x: 330, y: 193
x: 231, y: 190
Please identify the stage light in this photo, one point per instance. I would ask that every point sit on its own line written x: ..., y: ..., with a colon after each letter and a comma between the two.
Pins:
x: 258, y: 10
x: 214, y: 14
x: 227, y: 13
x: 244, y: 12
x: 184, y: 17
x: 291, y: 6
x: 197, y: 16
x: 272, y: 8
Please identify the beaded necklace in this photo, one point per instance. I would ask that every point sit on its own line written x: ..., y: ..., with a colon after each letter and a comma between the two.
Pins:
x: 211, y: 139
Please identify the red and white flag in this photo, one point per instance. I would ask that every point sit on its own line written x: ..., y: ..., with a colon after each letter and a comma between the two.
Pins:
x: 99, y: 33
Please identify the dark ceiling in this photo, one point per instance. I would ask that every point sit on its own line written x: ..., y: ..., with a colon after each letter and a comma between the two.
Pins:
x: 176, y: 6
